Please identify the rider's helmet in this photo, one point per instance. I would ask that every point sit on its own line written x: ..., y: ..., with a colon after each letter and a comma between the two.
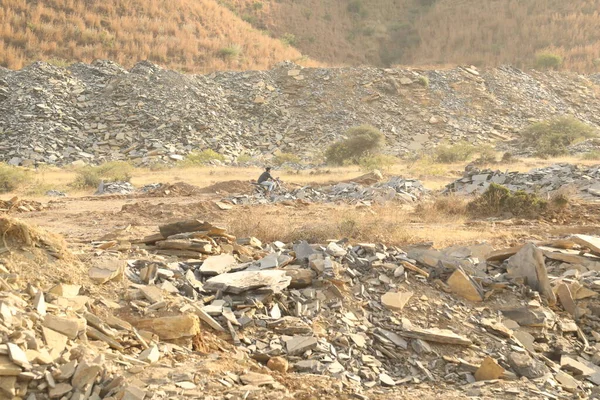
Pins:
x: 268, y: 169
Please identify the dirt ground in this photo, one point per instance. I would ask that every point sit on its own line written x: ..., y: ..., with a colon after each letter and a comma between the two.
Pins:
x: 83, y: 219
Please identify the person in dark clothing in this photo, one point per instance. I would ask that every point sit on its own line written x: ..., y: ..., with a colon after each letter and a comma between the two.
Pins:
x: 265, y: 179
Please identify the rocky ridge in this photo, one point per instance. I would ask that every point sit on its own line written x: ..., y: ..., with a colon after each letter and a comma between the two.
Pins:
x: 100, y: 112
x: 583, y: 181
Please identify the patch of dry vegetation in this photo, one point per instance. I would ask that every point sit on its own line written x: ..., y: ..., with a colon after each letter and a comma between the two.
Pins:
x: 187, y: 35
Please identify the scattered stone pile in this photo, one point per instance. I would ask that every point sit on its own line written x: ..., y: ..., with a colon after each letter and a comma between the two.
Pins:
x: 584, y: 180
x: 115, y: 188
x: 18, y: 205
x: 394, y: 189
x: 524, y: 319
x: 100, y: 112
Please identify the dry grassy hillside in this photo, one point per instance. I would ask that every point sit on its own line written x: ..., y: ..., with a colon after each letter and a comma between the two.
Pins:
x: 509, y: 31
x: 481, y: 32
x: 208, y: 35
x: 188, y: 35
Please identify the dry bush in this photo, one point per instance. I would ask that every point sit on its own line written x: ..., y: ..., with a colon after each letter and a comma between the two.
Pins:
x: 379, y: 224
x: 114, y: 171
x: 498, y: 201
x: 203, y: 157
x: 12, y: 178
x: 442, y: 208
x: 451, y: 153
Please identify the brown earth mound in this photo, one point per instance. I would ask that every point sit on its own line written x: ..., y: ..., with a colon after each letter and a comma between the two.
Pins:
x: 40, y: 256
x: 231, y: 187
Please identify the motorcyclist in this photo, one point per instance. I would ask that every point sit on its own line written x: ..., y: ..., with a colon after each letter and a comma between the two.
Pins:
x: 265, y: 179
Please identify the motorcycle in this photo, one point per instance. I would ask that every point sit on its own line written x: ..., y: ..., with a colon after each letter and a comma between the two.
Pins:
x: 263, y: 190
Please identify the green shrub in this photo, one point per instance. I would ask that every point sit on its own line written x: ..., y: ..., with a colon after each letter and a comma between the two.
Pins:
x: 361, y: 141
x: 381, y: 162
x: 230, y: 52
x: 11, y: 178
x: 285, y: 158
x: 548, y: 61
x: 591, y: 155
x: 551, y: 137
x: 446, y: 153
x: 289, y: 39
x: 498, y: 200
x: 202, y: 158
x: 91, y: 176
x: 244, y: 158
x: 423, y: 81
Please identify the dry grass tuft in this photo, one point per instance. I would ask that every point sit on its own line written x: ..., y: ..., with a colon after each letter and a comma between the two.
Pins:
x: 443, y: 208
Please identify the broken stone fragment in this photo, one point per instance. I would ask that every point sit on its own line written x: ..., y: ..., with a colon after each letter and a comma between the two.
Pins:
x: 300, y: 344
x: 335, y: 250
x: 396, y: 301
x: 526, y: 366
x: 463, y: 285
x: 312, y: 366
x: 489, y: 370
x: 576, y: 367
x: 85, y: 374
x: 68, y: 326
x: 243, y: 281
x: 303, y: 251
x: 568, y: 383
x: 105, y: 270
x: 590, y: 242
x: 55, y: 341
x: 529, y: 264
x: 18, y: 356
x: 169, y: 328
x: 152, y: 293
x: 526, y: 316
x: 386, y: 380
x: 566, y: 299
x: 64, y: 290
x: 150, y: 355
x: 255, y: 379
x: 59, y: 390
x: 8, y: 368
x: 216, y: 265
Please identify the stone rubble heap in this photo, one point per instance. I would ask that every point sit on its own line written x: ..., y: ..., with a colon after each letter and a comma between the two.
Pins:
x: 16, y: 205
x: 54, y: 347
x: 91, y: 113
x: 584, y: 180
x: 376, y: 316
x: 394, y: 189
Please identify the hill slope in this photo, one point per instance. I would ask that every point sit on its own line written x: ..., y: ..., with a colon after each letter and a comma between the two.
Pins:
x: 480, y: 32
x: 207, y: 35
x: 188, y: 35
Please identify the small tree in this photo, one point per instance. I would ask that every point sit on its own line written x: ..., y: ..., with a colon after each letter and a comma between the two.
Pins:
x: 361, y: 141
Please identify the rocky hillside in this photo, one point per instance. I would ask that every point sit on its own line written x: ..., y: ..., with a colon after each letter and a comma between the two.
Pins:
x: 103, y: 112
